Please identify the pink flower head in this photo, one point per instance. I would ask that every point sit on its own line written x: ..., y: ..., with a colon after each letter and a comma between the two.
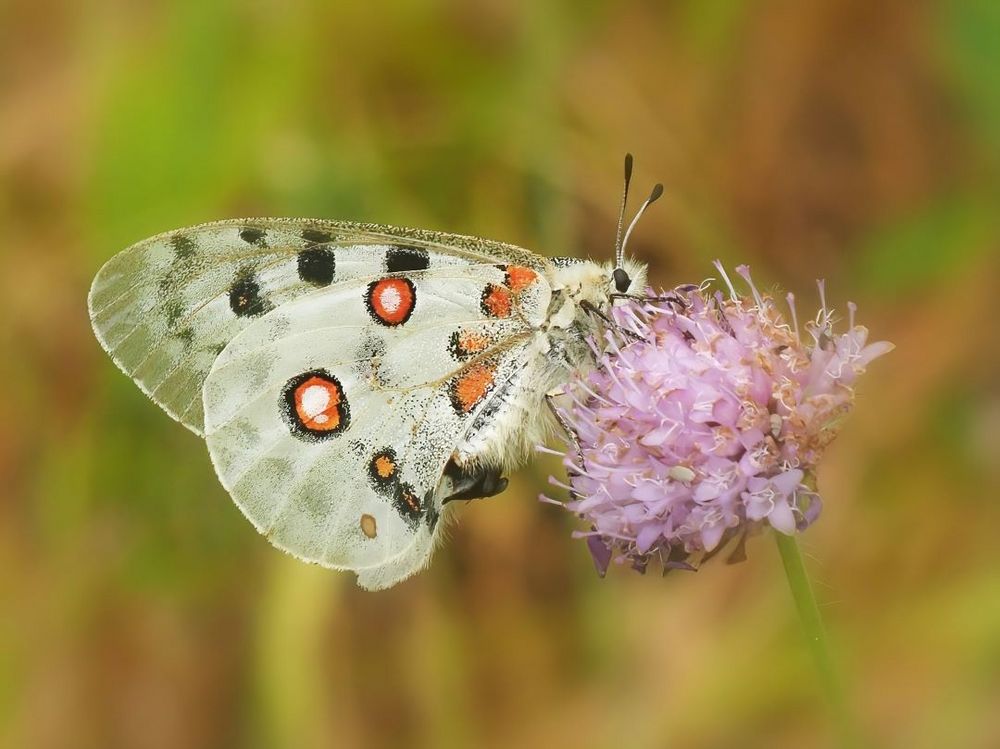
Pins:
x: 703, y: 421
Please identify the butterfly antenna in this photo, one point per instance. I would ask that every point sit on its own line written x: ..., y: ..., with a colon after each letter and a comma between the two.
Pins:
x: 619, y: 243
x: 653, y: 197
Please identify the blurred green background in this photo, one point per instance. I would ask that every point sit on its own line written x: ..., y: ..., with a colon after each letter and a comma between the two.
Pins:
x: 853, y: 140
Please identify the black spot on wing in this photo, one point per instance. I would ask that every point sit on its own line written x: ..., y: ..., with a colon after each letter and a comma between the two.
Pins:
x: 252, y: 235
x: 317, y: 265
x: 245, y: 298
x: 183, y: 246
x: 317, y: 236
x: 400, y: 259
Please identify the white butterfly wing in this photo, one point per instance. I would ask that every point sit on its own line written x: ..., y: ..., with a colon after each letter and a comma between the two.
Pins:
x: 331, y: 418
x: 165, y: 307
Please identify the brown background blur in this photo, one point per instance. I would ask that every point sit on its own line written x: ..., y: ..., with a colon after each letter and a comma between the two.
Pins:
x: 848, y: 139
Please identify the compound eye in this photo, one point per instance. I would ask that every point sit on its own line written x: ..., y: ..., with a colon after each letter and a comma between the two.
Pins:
x: 622, y: 281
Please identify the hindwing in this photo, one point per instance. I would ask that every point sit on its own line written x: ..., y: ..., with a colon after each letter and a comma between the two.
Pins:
x: 331, y: 418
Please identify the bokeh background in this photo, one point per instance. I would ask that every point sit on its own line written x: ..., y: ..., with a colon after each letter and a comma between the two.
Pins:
x: 853, y: 140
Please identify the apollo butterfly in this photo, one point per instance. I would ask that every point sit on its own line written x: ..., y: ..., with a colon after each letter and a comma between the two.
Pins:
x: 351, y: 380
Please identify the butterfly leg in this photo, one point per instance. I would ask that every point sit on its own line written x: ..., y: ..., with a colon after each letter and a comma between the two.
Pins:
x: 473, y: 483
x: 559, y: 417
x: 591, y: 309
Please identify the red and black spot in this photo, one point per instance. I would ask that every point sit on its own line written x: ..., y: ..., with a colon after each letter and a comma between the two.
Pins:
x: 391, y: 301
x: 466, y: 343
x: 383, y: 470
x: 471, y: 386
x: 245, y: 298
x: 400, y: 259
x: 496, y: 301
x: 314, y: 406
x: 518, y: 277
x: 408, y: 504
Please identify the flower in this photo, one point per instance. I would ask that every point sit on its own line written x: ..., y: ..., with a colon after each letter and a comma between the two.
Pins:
x: 704, y: 421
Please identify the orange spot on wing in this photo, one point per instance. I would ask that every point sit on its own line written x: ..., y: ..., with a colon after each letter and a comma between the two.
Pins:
x: 385, y: 466
x: 465, y: 343
x: 496, y: 301
x: 368, y: 526
x: 324, y: 419
x: 520, y: 277
x: 472, y: 341
x: 470, y: 387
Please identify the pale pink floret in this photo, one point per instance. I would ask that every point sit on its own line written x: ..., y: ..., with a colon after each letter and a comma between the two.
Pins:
x: 704, y: 420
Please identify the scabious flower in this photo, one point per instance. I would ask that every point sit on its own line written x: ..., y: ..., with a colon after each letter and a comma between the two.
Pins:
x: 704, y: 421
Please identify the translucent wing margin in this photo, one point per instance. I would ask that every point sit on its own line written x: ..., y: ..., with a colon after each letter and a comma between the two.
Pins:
x: 167, y: 306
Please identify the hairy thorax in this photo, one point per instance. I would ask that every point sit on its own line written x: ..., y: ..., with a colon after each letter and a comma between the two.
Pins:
x: 521, y: 416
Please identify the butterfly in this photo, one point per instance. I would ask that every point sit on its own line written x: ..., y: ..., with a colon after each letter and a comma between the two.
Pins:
x: 352, y: 380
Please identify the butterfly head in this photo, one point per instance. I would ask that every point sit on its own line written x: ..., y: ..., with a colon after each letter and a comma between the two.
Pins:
x: 627, y: 277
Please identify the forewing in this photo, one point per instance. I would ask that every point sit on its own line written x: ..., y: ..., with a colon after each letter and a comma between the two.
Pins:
x: 167, y: 306
x: 330, y: 419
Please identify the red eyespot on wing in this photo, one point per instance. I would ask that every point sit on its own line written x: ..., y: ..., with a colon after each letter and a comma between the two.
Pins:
x: 470, y: 387
x: 408, y: 504
x: 390, y: 301
x: 314, y: 405
x: 519, y: 277
x: 466, y: 343
x: 496, y: 301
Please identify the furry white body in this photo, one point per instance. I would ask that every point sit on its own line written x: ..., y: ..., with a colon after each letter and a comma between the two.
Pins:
x: 557, y: 348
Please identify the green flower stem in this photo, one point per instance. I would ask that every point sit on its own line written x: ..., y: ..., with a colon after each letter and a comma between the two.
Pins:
x: 812, y: 627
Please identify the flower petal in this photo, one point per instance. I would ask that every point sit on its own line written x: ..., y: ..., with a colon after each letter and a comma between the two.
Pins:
x: 782, y: 519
